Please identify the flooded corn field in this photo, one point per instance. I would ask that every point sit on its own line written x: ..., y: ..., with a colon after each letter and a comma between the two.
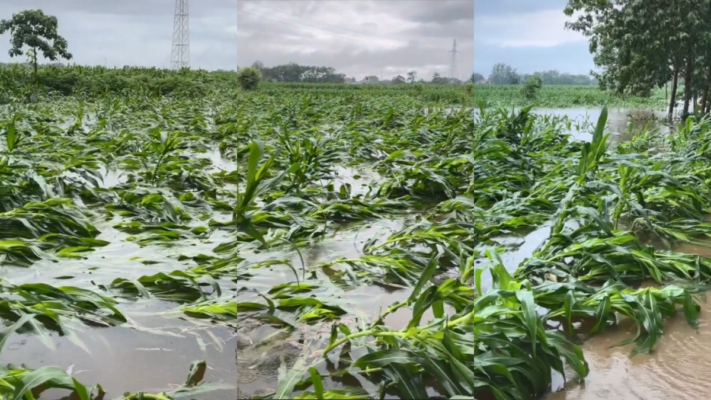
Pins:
x: 318, y: 247
x: 390, y: 302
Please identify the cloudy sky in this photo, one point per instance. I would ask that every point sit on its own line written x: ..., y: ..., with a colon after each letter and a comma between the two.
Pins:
x: 357, y: 37
x: 529, y: 35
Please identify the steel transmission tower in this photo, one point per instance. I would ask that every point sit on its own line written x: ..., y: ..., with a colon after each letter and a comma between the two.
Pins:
x: 454, y: 59
x: 180, y: 55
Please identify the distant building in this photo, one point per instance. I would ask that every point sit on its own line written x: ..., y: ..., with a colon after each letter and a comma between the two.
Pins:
x: 349, y: 80
x: 482, y: 81
x: 370, y: 79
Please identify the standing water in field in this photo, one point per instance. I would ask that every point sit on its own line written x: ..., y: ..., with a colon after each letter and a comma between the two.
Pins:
x: 621, y: 122
x: 674, y: 371
x: 292, y: 245
x: 514, y: 231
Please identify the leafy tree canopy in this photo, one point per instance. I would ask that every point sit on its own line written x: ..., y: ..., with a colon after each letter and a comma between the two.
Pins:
x: 38, y: 31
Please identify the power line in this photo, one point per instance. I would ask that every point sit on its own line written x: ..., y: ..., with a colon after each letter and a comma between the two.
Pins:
x: 180, y: 53
x: 454, y: 59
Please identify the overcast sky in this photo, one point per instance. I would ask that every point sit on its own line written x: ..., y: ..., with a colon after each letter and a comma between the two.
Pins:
x: 529, y: 35
x: 357, y: 37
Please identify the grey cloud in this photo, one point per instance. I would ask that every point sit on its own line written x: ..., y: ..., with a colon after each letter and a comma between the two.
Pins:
x: 507, y: 7
x: 459, y: 29
x: 117, y: 7
x: 446, y: 12
x: 353, y: 29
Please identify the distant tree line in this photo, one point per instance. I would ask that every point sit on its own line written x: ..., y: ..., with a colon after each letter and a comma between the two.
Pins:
x: 293, y: 72
x: 503, y: 74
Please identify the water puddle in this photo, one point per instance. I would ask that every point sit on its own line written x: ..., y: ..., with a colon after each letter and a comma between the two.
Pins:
x: 165, y: 348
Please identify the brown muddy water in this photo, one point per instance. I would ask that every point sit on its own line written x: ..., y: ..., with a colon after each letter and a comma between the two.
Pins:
x: 676, y: 369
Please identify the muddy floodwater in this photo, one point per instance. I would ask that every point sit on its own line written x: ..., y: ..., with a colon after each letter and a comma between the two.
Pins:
x: 676, y: 369
x: 671, y: 372
x: 156, y: 341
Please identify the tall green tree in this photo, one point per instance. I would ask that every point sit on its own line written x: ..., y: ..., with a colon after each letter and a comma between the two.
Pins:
x: 438, y: 79
x: 411, y: 76
x: 640, y: 45
x: 37, y: 31
x: 503, y: 74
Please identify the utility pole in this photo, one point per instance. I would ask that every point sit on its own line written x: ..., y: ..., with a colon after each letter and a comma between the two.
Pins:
x: 180, y: 54
x: 236, y: 36
x: 454, y: 59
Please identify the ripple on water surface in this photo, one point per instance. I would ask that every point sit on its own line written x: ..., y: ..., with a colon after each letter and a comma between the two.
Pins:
x: 675, y: 370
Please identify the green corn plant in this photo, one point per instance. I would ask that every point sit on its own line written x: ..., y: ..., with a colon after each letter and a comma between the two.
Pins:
x: 593, y: 152
x: 257, y: 183
x: 13, y: 136
x: 168, y: 144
